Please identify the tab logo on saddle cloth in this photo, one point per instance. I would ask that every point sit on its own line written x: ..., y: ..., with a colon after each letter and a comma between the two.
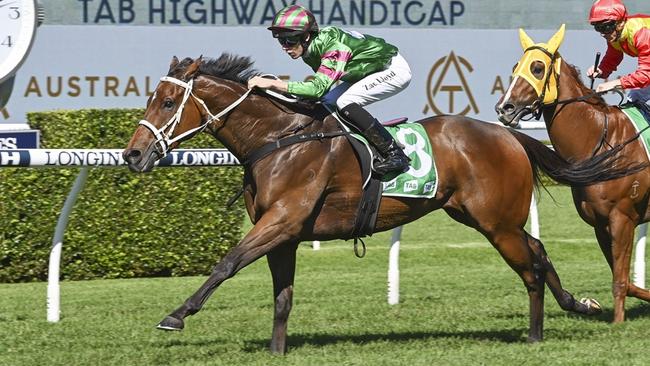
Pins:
x: 420, y: 181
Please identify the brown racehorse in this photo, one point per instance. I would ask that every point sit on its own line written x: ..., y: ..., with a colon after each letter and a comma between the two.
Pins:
x: 310, y: 190
x: 580, y: 124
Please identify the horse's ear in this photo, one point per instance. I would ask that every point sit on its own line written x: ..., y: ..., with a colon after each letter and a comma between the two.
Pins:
x: 555, y: 41
x: 193, y: 69
x: 173, y: 63
x: 525, y: 41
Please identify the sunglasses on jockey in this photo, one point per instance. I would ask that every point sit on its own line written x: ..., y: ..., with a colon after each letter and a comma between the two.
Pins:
x: 289, y: 39
x: 605, y: 27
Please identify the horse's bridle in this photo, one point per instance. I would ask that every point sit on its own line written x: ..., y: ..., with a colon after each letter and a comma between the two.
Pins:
x: 163, y: 134
x: 537, y: 106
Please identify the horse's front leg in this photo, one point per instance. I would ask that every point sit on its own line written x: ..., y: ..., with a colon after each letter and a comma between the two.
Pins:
x: 273, y: 229
x: 282, y: 263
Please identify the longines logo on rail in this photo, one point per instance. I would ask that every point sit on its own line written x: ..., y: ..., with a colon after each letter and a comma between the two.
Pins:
x: 447, y: 89
x: 110, y: 158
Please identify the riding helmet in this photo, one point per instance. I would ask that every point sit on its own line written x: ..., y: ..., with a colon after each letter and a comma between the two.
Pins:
x: 607, y: 10
x: 293, y: 20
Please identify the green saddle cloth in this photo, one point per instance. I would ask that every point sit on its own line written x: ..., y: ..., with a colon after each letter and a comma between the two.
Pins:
x: 420, y: 181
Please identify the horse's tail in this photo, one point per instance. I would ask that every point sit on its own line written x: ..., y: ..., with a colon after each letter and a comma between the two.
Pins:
x: 598, y: 168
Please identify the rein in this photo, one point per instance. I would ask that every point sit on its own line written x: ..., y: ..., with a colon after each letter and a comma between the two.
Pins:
x: 584, y: 98
x: 163, y: 134
x: 587, y: 97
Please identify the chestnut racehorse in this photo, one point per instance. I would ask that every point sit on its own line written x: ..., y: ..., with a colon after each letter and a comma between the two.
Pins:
x: 311, y: 190
x: 580, y: 124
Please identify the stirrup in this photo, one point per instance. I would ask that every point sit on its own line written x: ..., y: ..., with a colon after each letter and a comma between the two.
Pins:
x: 384, y: 166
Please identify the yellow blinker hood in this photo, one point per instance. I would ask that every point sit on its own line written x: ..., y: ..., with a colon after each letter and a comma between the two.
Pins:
x: 546, y: 54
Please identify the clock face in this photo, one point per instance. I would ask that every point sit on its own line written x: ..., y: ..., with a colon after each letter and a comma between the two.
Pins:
x: 17, y: 29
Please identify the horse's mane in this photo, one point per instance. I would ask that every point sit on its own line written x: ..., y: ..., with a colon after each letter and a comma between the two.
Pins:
x: 575, y: 73
x: 230, y: 67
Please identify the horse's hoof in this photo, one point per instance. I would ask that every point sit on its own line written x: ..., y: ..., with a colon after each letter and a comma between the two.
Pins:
x: 593, y: 306
x: 171, y: 323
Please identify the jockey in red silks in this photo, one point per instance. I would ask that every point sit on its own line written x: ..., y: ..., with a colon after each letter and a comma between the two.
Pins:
x: 625, y: 34
x: 369, y: 68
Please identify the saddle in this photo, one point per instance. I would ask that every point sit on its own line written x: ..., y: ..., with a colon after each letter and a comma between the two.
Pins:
x: 372, y: 187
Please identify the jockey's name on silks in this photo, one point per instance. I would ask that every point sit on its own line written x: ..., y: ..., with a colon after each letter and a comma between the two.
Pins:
x: 420, y: 181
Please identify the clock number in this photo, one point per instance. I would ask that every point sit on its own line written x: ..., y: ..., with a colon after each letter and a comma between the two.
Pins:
x: 14, y: 12
x: 7, y: 42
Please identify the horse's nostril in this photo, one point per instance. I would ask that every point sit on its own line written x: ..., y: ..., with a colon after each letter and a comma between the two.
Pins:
x: 132, y: 155
x: 508, y: 108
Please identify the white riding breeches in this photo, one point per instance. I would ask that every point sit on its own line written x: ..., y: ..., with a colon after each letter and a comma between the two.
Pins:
x: 374, y: 87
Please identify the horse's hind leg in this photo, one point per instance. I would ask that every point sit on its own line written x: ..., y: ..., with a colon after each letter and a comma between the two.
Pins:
x: 622, y: 233
x: 564, y: 298
x: 282, y: 263
x: 514, y: 250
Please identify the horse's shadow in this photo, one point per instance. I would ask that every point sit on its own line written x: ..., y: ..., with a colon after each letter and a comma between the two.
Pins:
x: 515, y: 335
x: 323, y: 339
x: 636, y: 311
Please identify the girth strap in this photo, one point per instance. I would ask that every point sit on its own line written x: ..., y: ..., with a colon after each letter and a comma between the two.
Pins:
x: 264, y: 150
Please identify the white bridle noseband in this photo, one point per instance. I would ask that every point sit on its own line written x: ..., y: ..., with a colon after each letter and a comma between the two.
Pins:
x: 164, y: 133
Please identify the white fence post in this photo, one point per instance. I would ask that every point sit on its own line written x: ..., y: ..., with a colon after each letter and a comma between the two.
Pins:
x: 534, y: 218
x: 639, y: 255
x: 53, y: 289
x: 393, y: 266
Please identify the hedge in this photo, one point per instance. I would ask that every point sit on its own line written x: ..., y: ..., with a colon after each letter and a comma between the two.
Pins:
x: 170, y: 222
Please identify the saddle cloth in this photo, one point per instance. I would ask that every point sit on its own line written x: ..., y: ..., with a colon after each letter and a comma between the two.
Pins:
x: 420, y: 181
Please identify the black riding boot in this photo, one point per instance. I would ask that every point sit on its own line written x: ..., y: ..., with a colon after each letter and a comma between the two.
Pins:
x: 393, y: 159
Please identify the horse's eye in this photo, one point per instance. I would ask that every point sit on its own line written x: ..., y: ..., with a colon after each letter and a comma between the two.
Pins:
x: 537, y: 69
x: 168, y: 103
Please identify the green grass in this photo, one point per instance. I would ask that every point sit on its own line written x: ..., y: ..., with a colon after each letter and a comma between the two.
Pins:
x: 460, y: 305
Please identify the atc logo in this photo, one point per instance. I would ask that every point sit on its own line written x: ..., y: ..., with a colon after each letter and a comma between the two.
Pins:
x: 447, y: 89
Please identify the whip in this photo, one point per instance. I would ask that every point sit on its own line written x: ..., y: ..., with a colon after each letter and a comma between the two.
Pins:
x: 593, y: 76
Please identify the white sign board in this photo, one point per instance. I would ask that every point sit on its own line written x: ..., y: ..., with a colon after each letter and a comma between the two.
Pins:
x: 454, y: 71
